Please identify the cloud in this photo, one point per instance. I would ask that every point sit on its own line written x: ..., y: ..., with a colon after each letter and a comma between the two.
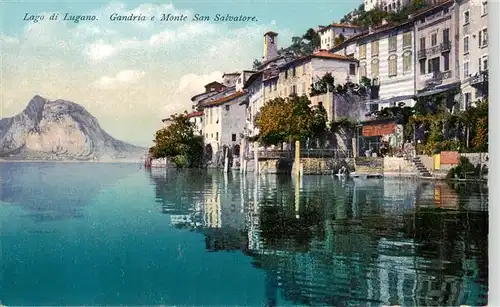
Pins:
x: 121, y: 78
x: 128, y: 75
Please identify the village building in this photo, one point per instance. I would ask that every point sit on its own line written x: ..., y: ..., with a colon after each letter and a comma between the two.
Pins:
x: 473, y: 51
x: 436, y: 31
x: 336, y: 33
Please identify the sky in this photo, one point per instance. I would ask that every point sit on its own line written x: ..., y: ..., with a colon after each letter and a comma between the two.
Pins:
x: 130, y: 75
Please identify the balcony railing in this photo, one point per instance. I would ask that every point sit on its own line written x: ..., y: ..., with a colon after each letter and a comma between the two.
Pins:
x: 422, y: 54
x: 435, y: 77
x: 442, y: 47
x: 479, y: 78
x: 445, y: 46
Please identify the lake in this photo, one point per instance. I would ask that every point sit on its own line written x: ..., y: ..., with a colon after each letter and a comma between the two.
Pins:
x: 119, y: 234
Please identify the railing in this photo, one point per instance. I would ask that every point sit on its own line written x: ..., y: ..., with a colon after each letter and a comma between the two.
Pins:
x: 436, y: 77
x: 482, y: 77
x: 422, y: 54
x: 445, y: 46
x: 304, y: 153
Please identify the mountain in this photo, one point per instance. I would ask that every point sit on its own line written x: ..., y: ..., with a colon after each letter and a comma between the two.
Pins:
x: 60, y: 130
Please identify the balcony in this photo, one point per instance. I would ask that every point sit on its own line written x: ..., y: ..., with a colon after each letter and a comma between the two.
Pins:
x: 421, y: 54
x: 445, y: 46
x: 479, y: 79
x: 435, y: 78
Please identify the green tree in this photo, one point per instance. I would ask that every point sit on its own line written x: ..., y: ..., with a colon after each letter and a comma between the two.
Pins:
x: 179, y: 143
x: 290, y: 119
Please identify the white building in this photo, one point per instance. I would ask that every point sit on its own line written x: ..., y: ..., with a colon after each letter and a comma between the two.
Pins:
x: 388, y: 5
x: 473, y: 50
x: 224, y: 120
x: 386, y: 54
x: 197, y: 119
x: 331, y: 34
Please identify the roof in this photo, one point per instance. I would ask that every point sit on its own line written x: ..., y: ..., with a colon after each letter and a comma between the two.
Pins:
x: 431, y: 8
x: 271, y: 33
x: 252, y: 78
x: 195, y: 114
x: 230, y: 74
x: 214, y: 82
x: 204, y: 93
x: 321, y: 55
x: 339, y: 25
x: 224, y: 99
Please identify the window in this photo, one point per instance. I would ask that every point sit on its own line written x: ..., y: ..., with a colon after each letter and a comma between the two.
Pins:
x: 393, y: 66
x: 466, y: 44
x: 294, y: 72
x: 434, y: 65
x: 446, y: 35
x: 233, y: 137
x: 422, y: 43
x: 227, y: 107
x: 467, y: 100
x: 201, y: 119
x: 434, y: 39
x: 374, y: 48
x: 466, y: 69
x: 304, y: 69
x: 217, y: 136
x: 446, y: 60
x: 466, y: 17
x: 275, y: 85
x: 206, y: 135
x: 362, y: 51
x: 362, y: 70
x: 393, y: 42
x: 484, y: 8
x: 483, y: 38
x: 374, y: 68
x: 483, y: 63
x: 286, y: 74
x: 211, y: 135
x: 293, y: 89
x: 303, y: 87
x: 422, y: 67
x: 407, y: 40
x: 407, y: 62
x: 285, y: 92
x: 352, y: 69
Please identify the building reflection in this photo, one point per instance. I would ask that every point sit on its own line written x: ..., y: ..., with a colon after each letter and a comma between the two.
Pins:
x: 371, y: 242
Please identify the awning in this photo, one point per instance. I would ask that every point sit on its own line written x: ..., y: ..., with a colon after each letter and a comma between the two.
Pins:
x: 438, y: 89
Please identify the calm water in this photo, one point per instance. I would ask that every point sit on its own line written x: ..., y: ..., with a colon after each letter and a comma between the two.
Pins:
x: 111, y: 234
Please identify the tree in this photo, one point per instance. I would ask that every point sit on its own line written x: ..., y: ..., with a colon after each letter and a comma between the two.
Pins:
x: 290, y: 119
x: 339, y: 39
x: 179, y: 143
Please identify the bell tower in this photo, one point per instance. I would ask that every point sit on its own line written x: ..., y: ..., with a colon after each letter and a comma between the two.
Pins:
x: 270, y: 46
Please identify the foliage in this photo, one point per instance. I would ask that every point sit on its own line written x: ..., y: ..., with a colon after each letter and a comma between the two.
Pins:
x: 290, y: 119
x: 373, y: 18
x: 323, y: 85
x: 256, y: 64
x: 179, y: 142
x: 342, y: 123
x: 463, y: 170
x: 339, y: 39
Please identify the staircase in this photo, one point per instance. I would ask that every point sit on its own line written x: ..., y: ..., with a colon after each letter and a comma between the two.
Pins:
x: 422, y: 170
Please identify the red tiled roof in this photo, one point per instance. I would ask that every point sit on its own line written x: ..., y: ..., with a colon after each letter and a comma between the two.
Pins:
x: 224, y: 99
x: 195, y: 114
x: 339, y: 25
x: 326, y: 54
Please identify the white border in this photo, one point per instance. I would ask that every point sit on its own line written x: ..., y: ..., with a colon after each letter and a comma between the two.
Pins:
x: 494, y: 150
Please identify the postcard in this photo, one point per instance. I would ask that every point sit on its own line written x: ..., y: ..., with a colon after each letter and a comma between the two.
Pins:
x: 244, y: 153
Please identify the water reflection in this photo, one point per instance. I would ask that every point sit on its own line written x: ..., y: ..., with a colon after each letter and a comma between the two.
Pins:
x: 326, y: 242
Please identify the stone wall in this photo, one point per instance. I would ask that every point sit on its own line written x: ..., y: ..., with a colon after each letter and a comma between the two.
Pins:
x: 398, y: 166
x: 309, y: 166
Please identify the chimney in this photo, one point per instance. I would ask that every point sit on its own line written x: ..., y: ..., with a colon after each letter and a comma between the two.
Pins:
x: 270, y: 46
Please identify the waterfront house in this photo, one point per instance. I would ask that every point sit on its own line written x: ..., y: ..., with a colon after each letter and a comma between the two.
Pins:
x: 224, y: 119
x: 386, y: 58
x: 437, y: 39
x: 211, y: 89
x: 473, y: 51
x: 197, y: 119
x: 335, y: 33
